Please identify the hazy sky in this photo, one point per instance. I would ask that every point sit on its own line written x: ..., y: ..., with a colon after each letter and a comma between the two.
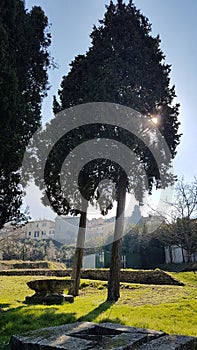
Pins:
x: 175, y: 22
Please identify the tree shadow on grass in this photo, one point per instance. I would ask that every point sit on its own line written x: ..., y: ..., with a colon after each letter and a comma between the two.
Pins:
x: 2, y: 305
x: 21, y: 320
x: 99, y: 311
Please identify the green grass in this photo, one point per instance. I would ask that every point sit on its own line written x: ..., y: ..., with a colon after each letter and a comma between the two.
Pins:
x: 168, y: 308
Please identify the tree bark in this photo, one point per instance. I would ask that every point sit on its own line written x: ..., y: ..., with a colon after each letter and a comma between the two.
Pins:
x: 115, y: 264
x: 78, y: 257
x: 183, y: 257
x: 170, y: 253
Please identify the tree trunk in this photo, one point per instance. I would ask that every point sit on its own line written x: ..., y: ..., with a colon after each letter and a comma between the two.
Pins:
x: 78, y: 257
x: 189, y: 256
x: 115, y: 264
x: 183, y: 257
x: 170, y: 253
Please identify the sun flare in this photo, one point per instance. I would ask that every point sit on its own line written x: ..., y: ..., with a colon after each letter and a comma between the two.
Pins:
x: 154, y: 120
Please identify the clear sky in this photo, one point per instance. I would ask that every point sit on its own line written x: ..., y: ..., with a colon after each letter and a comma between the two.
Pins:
x: 175, y: 22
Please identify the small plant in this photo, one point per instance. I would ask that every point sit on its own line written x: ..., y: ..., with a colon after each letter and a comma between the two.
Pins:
x: 84, y: 285
x: 100, y: 286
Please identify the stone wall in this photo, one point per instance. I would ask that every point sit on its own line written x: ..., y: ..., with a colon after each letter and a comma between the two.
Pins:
x: 130, y: 276
x: 134, y: 276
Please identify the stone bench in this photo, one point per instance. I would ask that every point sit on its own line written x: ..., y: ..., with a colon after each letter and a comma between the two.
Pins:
x: 49, y: 291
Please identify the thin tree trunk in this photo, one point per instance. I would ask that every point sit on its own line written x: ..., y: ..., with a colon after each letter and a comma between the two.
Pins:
x: 170, y: 252
x: 189, y: 255
x: 78, y: 257
x: 183, y: 257
x: 115, y: 264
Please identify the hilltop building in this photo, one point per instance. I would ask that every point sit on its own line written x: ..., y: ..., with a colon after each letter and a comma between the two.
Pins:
x: 40, y: 229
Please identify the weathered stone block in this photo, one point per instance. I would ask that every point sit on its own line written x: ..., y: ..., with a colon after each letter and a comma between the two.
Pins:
x: 106, y: 336
x: 172, y: 342
x: 49, y: 291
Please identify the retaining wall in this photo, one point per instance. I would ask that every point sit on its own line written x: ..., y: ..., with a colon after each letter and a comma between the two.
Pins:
x: 131, y: 276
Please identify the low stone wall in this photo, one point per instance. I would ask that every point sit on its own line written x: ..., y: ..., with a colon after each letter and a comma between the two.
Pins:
x: 130, y: 276
x: 36, y: 272
x: 29, y: 265
x: 134, y: 276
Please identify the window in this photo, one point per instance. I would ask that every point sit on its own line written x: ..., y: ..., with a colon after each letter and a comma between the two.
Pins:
x: 29, y: 233
x: 123, y: 261
x: 36, y: 233
x: 102, y: 257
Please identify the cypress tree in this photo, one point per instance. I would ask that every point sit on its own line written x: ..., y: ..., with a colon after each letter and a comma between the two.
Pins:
x: 24, y: 42
x: 124, y: 65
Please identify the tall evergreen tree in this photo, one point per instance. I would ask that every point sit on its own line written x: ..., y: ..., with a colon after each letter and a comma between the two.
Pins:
x: 124, y: 65
x: 24, y: 42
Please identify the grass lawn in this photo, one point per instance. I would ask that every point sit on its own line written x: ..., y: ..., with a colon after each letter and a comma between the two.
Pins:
x: 172, y: 309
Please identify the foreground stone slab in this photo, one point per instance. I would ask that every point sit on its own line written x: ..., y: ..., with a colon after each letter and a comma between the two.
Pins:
x: 170, y: 342
x: 105, y: 336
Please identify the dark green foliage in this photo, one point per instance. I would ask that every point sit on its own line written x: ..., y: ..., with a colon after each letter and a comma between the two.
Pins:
x: 152, y: 254
x: 124, y: 65
x: 142, y: 249
x: 24, y: 41
x: 34, y: 250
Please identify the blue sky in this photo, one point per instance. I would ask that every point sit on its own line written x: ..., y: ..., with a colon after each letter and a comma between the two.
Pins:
x: 175, y: 22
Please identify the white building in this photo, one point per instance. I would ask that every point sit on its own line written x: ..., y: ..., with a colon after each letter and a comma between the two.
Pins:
x: 66, y: 229
x: 173, y: 254
x: 40, y: 229
x: 89, y: 261
x: 97, y: 228
x: 177, y: 255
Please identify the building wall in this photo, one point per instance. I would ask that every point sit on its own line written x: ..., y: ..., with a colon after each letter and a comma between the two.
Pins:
x: 40, y: 229
x: 174, y: 254
x: 66, y: 229
x: 89, y: 261
x: 99, y: 228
